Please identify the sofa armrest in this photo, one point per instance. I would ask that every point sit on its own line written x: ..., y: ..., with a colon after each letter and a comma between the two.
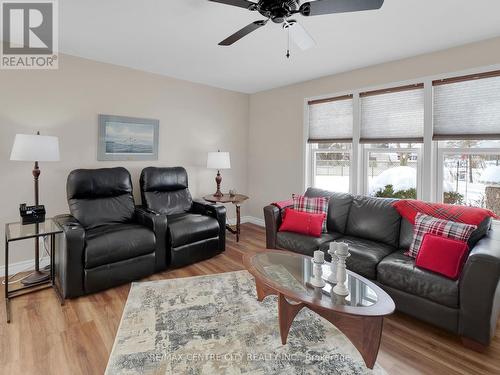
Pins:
x: 69, y: 255
x: 217, y: 211
x: 480, y: 289
x: 158, y: 224
x: 272, y: 218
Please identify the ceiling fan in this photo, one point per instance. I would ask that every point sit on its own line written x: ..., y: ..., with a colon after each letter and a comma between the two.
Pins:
x: 280, y: 11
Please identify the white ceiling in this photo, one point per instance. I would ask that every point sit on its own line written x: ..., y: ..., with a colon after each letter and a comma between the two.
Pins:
x: 179, y: 38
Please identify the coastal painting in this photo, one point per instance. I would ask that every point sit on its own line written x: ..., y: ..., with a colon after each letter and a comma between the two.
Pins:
x: 127, y: 138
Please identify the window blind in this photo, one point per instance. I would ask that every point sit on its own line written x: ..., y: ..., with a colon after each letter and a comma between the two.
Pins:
x: 467, y: 107
x: 330, y: 120
x: 393, y: 115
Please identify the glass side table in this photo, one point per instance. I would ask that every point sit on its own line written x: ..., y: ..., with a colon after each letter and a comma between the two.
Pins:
x: 18, y: 232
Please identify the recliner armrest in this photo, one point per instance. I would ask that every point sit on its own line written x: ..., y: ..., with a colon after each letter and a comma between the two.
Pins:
x: 216, y: 211
x: 480, y: 289
x: 272, y: 218
x: 69, y: 256
x: 158, y: 223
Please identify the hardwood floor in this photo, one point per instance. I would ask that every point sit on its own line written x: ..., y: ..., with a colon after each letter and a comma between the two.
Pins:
x: 46, y: 338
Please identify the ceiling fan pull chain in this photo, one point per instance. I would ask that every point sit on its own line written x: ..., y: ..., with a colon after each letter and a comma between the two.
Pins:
x: 288, y: 42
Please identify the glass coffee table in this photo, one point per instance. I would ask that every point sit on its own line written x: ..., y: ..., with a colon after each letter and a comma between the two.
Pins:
x: 359, y: 315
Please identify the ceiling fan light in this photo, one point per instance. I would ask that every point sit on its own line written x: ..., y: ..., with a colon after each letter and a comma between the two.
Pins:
x: 300, y: 36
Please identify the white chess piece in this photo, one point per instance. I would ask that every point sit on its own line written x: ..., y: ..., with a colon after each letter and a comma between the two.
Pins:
x: 318, y: 262
x: 342, y: 253
x: 332, y: 278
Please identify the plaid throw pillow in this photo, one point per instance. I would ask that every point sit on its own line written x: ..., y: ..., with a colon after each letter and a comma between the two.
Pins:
x: 444, y: 228
x: 318, y: 205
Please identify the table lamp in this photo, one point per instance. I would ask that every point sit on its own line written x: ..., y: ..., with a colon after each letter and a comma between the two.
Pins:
x: 218, y: 160
x: 35, y: 148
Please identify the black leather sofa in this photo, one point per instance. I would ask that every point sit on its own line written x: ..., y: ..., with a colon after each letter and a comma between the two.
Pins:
x: 196, y: 229
x: 378, y: 237
x: 110, y: 241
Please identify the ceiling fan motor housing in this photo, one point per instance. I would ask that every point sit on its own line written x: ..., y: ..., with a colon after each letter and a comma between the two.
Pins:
x: 277, y: 10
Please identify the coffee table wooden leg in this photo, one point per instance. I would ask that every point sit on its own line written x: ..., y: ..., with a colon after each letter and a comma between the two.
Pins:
x: 364, y: 333
x: 286, y: 314
x: 263, y: 291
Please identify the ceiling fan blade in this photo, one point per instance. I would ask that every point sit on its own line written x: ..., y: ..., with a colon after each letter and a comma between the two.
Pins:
x: 300, y: 36
x: 243, y: 32
x: 237, y: 3
x: 319, y: 7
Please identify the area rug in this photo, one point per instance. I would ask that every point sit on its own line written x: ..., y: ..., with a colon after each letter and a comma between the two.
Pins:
x: 215, y: 325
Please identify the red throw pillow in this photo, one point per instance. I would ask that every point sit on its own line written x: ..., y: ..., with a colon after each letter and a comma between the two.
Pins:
x: 315, y: 205
x: 302, y: 222
x: 445, y: 256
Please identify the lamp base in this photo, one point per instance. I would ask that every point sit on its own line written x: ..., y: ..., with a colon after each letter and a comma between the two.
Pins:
x: 218, y: 180
x: 35, y: 278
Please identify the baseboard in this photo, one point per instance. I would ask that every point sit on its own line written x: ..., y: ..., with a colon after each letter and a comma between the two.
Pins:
x: 248, y: 219
x: 23, y: 266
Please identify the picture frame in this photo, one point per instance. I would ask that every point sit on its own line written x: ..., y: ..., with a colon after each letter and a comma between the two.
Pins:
x: 127, y: 138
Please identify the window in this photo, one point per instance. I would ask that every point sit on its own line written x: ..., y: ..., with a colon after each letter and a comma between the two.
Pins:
x: 467, y: 126
x: 331, y: 166
x: 467, y: 107
x: 372, y: 142
x: 393, y: 115
x: 392, y: 170
x: 330, y: 120
x: 330, y: 136
x: 392, y: 122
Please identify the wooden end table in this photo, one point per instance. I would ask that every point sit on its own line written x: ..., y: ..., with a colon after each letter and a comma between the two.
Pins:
x: 237, y: 200
x: 359, y: 315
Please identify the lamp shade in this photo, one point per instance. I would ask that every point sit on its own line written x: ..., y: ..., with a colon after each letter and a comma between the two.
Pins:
x: 218, y: 160
x: 35, y: 148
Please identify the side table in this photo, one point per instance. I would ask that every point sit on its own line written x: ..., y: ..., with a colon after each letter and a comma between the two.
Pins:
x: 237, y: 200
x: 18, y: 232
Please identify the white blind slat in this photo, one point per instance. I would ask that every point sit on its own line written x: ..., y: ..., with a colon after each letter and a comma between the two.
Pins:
x: 468, y: 109
x: 395, y: 115
x: 331, y: 120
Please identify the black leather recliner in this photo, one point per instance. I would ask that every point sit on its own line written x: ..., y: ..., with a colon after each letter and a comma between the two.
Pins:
x: 196, y: 229
x: 108, y: 241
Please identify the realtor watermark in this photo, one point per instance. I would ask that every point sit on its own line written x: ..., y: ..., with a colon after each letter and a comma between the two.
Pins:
x: 29, y: 34
x: 244, y: 357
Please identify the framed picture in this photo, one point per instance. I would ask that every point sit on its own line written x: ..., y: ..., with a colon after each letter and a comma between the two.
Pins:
x: 127, y: 138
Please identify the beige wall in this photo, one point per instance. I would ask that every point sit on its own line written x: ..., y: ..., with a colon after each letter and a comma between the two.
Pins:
x: 275, y: 157
x: 263, y: 132
x: 194, y: 119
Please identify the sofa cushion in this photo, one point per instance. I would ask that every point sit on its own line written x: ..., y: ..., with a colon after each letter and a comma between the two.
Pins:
x: 165, y: 190
x: 100, y: 196
x: 302, y: 244
x: 400, y: 272
x: 113, y: 243
x: 188, y: 228
x: 374, y: 219
x: 338, y: 208
x: 405, y: 234
x: 365, y: 255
